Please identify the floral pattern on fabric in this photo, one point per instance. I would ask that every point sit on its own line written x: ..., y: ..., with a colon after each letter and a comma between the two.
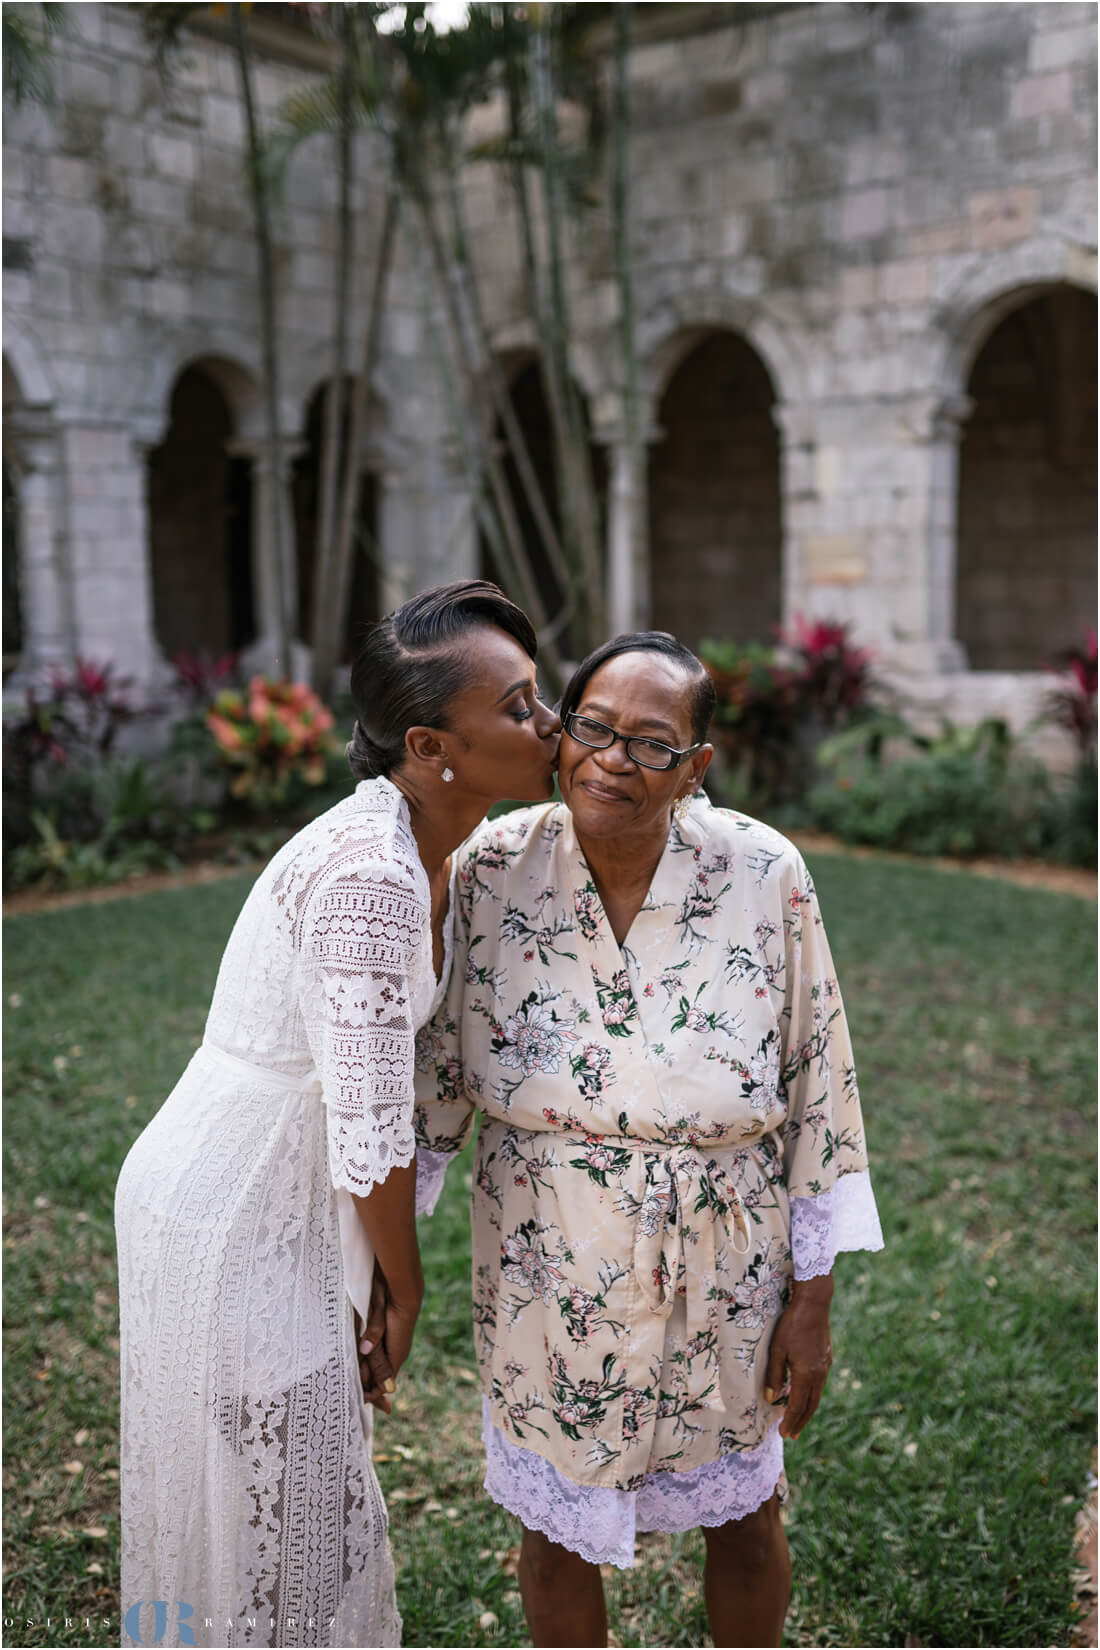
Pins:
x: 648, y: 1112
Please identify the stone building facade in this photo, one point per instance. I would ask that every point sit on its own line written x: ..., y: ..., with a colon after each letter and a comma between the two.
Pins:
x: 865, y: 282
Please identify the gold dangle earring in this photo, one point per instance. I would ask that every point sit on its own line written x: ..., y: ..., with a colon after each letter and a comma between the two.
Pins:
x: 681, y: 805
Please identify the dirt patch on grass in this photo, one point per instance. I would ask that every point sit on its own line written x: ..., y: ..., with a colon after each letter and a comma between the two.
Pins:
x: 27, y: 901
x: 1027, y: 873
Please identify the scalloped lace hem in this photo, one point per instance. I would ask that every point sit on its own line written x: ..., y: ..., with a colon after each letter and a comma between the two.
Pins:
x: 843, y: 1218
x: 431, y: 1172
x: 601, y: 1524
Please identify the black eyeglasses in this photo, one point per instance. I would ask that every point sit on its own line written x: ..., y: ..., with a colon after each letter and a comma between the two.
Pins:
x: 648, y: 753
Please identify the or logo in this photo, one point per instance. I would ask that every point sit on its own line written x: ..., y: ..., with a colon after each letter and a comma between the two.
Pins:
x: 132, y: 1621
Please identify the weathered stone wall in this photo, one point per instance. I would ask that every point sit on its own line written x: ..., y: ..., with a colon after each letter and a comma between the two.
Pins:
x: 857, y: 194
x: 129, y: 256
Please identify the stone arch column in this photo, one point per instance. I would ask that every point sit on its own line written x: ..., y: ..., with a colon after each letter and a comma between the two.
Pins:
x: 231, y: 362
x: 627, y: 525
x: 36, y: 458
x: 271, y: 493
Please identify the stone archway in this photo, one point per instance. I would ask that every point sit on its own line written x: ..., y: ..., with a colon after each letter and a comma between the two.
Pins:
x: 200, y: 520
x: 364, y: 599
x: 529, y: 403
x: 715, y: 529
x: 1027, y: 517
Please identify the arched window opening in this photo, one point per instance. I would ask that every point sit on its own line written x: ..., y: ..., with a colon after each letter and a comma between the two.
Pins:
x: 1026, y: 563
x: 200, y: 525
x: 363, y: 602
x: 715, y: 527
x: 529, y: 403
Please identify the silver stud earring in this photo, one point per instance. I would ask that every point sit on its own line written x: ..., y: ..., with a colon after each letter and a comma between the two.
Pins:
x: 447, y: 776
x: 681, y: 805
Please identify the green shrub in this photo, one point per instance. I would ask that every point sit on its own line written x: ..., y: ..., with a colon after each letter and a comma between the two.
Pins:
x: 936, y: 803
x: 1070, y: 833
x: 964, y: 804
x: 963, y: 791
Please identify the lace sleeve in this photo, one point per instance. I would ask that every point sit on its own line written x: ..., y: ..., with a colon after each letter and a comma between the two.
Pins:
x: 358, y: 942
x: 843, y: 1218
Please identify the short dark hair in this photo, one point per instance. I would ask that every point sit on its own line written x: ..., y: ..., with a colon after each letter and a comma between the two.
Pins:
x: 409, y: 667
x: 703, y: 698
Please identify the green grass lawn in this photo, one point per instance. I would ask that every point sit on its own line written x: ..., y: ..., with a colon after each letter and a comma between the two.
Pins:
x: 934, y: 1494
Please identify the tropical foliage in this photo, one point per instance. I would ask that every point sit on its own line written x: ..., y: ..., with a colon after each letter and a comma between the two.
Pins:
x: 775, y: 705
x: 269, y: 738
x: 962, y: 791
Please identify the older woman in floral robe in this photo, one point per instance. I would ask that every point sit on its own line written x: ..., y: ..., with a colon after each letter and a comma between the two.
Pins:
x: 671, y: 1152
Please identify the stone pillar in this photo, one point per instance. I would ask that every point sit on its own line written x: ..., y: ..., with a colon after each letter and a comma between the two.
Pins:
x: 627, y: 528
x: 112, y: 596
x: 945, y: 435
x: 798, y: 512
x: 271, y: 494
x: 869, y: 494
x: 427, y: 531
x: 48, y: 633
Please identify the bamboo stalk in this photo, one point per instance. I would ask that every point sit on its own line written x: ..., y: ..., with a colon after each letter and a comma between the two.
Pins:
x: 327, y: 624
x: 269, y: 346
x: 577, y: 490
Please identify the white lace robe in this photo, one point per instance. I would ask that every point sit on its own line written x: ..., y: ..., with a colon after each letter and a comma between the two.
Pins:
x: 248, y: 1492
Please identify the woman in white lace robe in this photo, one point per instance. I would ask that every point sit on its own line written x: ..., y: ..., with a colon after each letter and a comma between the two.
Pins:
x: 645, y: 1012
x: 251, y: 1209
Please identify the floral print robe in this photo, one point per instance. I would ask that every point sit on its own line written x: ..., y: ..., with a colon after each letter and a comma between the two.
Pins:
x: 648, y: 1112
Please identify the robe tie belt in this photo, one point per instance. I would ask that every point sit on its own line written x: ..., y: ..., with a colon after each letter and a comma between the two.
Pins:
x: 262, y: 1074
x: 681, y: 1182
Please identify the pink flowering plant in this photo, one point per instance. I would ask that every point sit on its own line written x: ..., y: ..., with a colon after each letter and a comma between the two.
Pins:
x: 776, y: 703
x: 1072, y: 705
x: 270, y: 737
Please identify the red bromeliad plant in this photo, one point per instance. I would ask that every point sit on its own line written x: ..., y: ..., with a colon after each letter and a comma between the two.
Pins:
x: 269, y: 736
x: 775, y: 704
x: 1073, y: 704
x: 201, y: 675
x: 834, y: 676
x: 74, y: 717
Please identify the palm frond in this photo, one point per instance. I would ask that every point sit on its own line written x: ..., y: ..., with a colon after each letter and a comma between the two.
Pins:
x: 28, y: 33
x: 317, y: 109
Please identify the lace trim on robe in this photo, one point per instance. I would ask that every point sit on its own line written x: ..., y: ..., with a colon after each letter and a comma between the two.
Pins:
x: 601, y: 1524
x: 843, y: 1218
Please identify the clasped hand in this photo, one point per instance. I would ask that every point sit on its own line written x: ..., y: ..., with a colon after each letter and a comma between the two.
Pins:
x: 388, y: 1333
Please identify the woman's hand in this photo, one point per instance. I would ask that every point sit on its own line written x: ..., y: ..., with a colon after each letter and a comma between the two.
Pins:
x: 384, y: 1341
x: 801, y: 1352
x: 375, y: 1369
x: 389, y: 1220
